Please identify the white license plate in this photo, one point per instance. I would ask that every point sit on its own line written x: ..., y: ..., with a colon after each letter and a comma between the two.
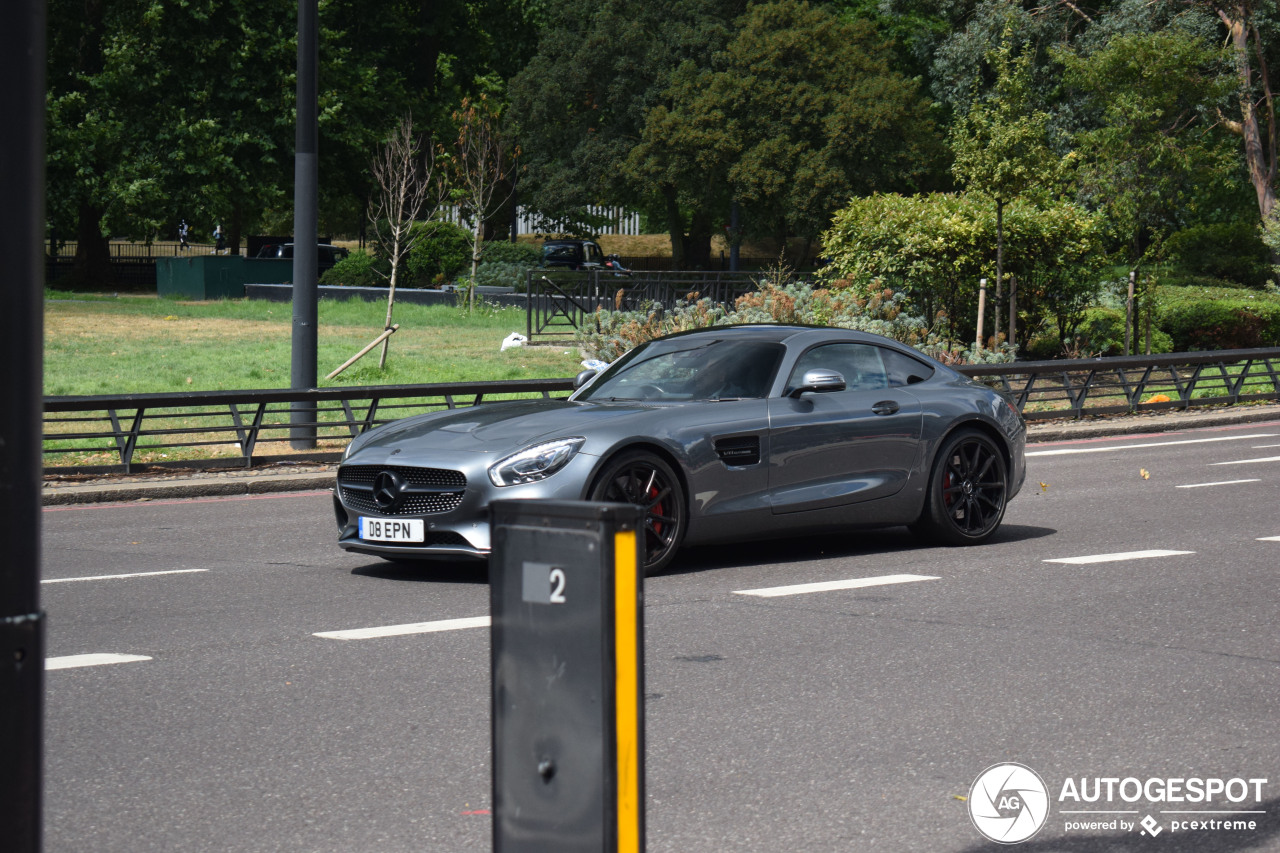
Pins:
x: 393, y: 529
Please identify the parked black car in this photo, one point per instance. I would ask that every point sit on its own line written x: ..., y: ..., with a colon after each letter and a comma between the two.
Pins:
x: 329, y: 255
x: 579, y: 255
x: 572, y: 254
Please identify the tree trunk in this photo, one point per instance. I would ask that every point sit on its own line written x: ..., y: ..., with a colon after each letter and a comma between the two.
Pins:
x: 675, y: 227
x: 999, y: 266
x: 1260, y: 158
x: 475, y: 261
x: 697, y: 255
x: 391, y: 298
x: 92, y: 265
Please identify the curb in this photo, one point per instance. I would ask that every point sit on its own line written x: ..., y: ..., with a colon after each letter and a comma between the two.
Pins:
x: 204, y: 485
x: 195, y: 486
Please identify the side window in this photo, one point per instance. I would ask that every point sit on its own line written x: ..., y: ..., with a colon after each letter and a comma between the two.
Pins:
x: 903, y: 369
x: 860, y: 365
x: 594, y: 255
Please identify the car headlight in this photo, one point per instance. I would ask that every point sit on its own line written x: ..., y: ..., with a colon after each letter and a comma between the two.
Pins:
x: 534, y: 463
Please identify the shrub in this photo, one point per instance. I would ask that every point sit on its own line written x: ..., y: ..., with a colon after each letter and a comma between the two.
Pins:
x: 1210, y: 318
x: 1233, y: 251
x: 506, y: 252
x: 610, y: 334
x: 503, y: 274
x: 1102, y: 334
x: 358, y: 269
x: 442, y: 253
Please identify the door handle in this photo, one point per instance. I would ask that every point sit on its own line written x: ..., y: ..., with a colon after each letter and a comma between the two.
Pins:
x: 885, y: 407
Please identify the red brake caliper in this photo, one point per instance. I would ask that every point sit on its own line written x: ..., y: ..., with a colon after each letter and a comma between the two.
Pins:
x: 657, y: 510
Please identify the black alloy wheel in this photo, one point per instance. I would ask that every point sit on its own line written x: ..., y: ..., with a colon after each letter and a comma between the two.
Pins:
x: 968, y: 490
x: 644, y: 479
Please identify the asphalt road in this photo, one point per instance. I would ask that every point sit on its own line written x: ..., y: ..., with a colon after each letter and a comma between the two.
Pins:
x: 849, y: 719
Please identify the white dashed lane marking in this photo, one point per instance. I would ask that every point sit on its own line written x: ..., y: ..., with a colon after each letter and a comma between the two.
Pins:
x: 828, y: 586
x: 1269, y: 538
x: 120, y: 577
x: 1219, y: 483
x: 101, y: 659
x: 1115, y: 558
x: 403, y: 630
x: 1065, y: 451
x: 1248, y: 461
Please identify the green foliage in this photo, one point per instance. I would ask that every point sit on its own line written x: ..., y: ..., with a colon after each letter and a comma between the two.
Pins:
x: 1101, y: 333
x: 358, y: 269
x: 1001, y: 145
x: 441, y: 254
x: 936, y: 248
x: 503, y: 274
x: 1233, y: 251
x: 1153, y: 137
x: 1211, y: 318
x: 506, y: 252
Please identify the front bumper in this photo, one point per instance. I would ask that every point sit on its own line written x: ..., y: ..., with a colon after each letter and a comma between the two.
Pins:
x: 450, y: 494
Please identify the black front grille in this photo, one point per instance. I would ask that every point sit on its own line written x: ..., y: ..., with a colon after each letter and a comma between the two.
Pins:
x: 430, y: 491
x: 364, y: 475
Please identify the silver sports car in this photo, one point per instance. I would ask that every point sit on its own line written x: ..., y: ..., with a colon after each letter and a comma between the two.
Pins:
x: 721, y: 434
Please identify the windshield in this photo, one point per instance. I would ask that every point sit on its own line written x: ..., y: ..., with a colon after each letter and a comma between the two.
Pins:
x: 676, y: 371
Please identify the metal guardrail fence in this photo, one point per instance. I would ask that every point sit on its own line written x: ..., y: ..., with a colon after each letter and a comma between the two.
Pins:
x: 1103, y: 386
x: 561, y: 301
x: 127, y: 425
x: 121, y: 427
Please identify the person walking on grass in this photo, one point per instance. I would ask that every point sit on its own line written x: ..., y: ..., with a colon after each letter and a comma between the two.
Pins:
x: 182, y: 235
x: 219, y: 240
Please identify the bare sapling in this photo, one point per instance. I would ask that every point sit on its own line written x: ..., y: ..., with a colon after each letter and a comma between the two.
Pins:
x: 483, y: 166
x: 407, y: 187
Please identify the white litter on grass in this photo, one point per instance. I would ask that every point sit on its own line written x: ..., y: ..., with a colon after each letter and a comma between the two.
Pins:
x: 595, y: 364
x: 515, y: 339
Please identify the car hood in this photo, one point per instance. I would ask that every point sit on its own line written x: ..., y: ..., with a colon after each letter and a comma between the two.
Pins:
x: 496, y: 427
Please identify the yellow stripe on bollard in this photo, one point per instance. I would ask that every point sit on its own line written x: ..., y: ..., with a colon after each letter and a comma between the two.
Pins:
x: 627, y: 691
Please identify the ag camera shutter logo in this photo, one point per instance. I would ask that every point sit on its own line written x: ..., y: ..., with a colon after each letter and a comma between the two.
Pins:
x: 1008, y: 803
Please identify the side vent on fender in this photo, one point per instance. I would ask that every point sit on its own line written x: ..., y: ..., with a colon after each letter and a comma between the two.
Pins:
x: 739, y: 451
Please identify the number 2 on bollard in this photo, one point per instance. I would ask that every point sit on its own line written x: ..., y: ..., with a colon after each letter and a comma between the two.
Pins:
x: 543, y: 583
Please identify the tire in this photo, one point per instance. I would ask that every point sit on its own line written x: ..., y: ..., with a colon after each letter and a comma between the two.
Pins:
x: 968, y: 491
x: 644, y: 479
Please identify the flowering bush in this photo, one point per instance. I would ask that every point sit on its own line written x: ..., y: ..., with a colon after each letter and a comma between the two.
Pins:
x: 609, y: 334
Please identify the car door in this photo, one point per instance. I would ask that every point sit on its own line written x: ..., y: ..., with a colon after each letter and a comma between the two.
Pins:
x: 833, y: 448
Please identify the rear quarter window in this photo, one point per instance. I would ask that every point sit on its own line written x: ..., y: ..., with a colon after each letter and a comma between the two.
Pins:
x: 902, y: 369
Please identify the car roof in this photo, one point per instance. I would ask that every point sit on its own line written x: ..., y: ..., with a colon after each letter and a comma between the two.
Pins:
x: 799, y: 336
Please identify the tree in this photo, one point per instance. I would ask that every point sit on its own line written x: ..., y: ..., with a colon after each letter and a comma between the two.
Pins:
x: 1257, y: 124
x: 158, y: 112
x: 1151, y: 141
x: 936, y: 247
x: 1002, y: 150
x: 404, y: 172
x: 799, y: 111
x: 484, y: 163
x: 582, y: 102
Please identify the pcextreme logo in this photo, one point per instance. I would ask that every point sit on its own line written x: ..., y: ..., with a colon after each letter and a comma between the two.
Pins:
x: 1009, y: 803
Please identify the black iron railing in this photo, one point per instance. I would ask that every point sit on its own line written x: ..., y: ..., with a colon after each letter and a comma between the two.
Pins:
x: 112, y: 431
x: 1106, y: 386
x: 562, y: 301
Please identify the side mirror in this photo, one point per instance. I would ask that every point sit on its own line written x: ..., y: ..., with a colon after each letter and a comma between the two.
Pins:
x: 583, y: 378
x: 819, y: 382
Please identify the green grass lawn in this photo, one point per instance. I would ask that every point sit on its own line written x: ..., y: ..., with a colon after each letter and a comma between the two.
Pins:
x: 138, y: 344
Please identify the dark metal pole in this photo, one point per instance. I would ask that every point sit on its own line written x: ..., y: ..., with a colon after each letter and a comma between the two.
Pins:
x: 735, y: 236
x: 22, y: 62
x: 305, y: 228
